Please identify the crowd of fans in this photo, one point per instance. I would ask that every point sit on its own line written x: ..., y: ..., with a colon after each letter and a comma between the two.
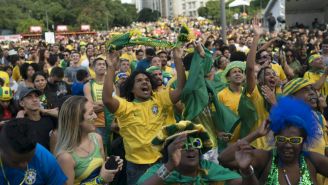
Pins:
x: 251, y: 110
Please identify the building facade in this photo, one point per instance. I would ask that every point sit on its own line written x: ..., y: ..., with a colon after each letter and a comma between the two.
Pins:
x: 172, y: 8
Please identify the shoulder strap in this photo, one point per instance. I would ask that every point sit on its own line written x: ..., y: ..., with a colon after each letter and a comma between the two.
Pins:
x: 92, y: 81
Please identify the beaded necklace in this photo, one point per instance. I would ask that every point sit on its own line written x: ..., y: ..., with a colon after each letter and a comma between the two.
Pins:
x: 273, y: 178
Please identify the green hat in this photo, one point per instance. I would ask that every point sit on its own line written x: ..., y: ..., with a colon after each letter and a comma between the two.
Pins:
x: 313, y: 57
x: 235, y: 64
x: 153, y: 68
x: 170, y: 132
x: 295, y: 85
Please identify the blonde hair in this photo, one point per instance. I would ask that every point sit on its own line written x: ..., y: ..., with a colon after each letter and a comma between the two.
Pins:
x: 69, y: 121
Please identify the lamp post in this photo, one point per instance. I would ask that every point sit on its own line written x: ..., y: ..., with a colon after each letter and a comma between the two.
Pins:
x: 223, y: 21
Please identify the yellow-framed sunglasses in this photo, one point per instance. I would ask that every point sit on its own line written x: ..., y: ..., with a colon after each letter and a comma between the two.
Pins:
x: 291, y: 140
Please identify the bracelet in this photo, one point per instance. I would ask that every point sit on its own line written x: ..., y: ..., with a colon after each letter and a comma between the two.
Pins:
x: 245, y: 176
x: 163, y: 172
x: 100, y: 180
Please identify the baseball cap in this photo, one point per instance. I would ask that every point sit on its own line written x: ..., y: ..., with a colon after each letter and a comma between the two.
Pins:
x: 26, y: 91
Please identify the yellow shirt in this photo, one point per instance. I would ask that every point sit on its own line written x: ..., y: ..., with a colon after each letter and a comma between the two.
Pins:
x: 313, y: 78
x: 5, y: 77
x: 279, y: 71
x: 231, y: 100
x: 262, y: 114
x: 96, y: 91
x: 92, y: 73
x: 16, y: 74
x: 139, y: 123
x: 169, y: 69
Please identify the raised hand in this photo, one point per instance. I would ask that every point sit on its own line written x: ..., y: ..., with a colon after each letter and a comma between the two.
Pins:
x: 177, y: 53
x: 174, y: 151
x: 258, y: 30
x: 269, y: 95
x: 243, y: 155
x: 264, y: 129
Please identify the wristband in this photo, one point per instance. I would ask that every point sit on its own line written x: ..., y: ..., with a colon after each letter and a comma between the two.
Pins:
x: 100, y: 180
x: 245, y: 176
x: 163, y: 172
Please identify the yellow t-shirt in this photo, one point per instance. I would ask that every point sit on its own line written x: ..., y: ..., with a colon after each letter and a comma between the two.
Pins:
x: 313, y: 78
x: 231, y: 100
x: 279, y: 71
x: 16, y: 74
x: 96, y: 91
x: 92, y: 73
x: 139, y: 123
x: 5, y: 77
x: 169, y: 69
x: 262, y: 114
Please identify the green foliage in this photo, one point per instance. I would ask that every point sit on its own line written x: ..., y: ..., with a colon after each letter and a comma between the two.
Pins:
x: 213, y: 8
x: 19, y: 15
x: 148, y: 15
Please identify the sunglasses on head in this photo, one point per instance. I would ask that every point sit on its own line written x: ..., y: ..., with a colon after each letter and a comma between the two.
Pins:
x: 291, y: 140
x: 192, y: 143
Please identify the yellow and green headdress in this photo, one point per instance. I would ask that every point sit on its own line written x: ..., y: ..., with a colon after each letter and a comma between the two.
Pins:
x: 153, y: 68
x: 313, y: 58
x: 197, y: 136
x: 235, y: 64
x: 295, y: 85
x: 5, y: 94
x: 186, y: 35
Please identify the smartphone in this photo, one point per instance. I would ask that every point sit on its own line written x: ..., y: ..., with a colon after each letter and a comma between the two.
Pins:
x: 111, y: 163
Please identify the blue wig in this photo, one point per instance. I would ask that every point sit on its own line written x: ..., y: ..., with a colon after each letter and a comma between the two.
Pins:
x: 292, y: 112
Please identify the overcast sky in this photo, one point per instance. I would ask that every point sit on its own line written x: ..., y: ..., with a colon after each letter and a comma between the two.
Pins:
x: 126, y: 1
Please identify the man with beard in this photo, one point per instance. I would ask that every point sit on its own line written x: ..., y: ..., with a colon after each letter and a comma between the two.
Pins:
x: 141, y: 114
x: 156, y: 72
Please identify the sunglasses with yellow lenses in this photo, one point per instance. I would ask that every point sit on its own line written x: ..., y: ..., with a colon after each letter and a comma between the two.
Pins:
x: 291, y: 140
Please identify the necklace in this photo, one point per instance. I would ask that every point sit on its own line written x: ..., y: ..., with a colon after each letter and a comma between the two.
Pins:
x: 5, y: 177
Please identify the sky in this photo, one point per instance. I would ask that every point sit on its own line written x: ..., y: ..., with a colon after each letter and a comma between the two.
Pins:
x: 126, y: 1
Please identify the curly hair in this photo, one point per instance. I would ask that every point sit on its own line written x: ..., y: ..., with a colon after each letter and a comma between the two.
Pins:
x: 292, y: 112
x: 24, y: 68
x: 128, y: 85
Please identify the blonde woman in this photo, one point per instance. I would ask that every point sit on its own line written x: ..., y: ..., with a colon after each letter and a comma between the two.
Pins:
x: 79, y: 149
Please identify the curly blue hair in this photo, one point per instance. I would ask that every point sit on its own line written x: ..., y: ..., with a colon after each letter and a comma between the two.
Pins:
x: 292, y: 112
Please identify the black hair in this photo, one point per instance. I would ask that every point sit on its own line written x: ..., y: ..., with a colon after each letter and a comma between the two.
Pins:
x: 13, y: 59
x: 325, y: 41
x: 19, y: 135
x: 150, y: 51
x: 53, y: 58
x: 187, y: 61
x: 129, y: 84
x: 57, y: 72
x: 81, y: 74
x: 223, y: 48
x: 5, y: 68
x: 238, y: 56
x: 96, y: 60
x: 232, y: 48
x: 138, y: 51
x: 38, y: 73
x: 2, y: 82
x: 24, y: 68
x: 208, y: 43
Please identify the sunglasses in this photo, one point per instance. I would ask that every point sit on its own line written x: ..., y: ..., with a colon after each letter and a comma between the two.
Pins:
x: 291, y: 140
x: 192, y: 143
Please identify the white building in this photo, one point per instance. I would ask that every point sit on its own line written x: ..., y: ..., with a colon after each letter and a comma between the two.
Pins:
x: 171, y: 8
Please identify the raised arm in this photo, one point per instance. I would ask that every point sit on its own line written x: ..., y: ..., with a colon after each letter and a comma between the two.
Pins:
x: 109, y: 101
x: 320, y: 162
x: 227, y: 157
x: 181, y: 76
x: 319, y: 84
x: 250, y: 64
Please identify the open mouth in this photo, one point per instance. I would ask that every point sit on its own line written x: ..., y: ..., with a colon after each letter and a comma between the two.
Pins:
x: 272, y: 82
x: 145, y: 90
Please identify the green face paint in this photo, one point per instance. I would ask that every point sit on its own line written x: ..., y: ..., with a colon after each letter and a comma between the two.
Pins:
x: 192, y: 143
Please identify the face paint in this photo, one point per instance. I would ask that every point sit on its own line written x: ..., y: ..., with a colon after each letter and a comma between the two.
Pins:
x: 192, y: 143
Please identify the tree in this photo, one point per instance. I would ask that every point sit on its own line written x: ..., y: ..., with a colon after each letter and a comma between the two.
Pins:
x: 148, y: 15
x: 203, y: 12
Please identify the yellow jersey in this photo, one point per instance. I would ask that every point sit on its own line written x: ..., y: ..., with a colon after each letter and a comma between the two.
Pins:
x: 313, y: 78
x: 231, y: 100
x: 279, y: 71
x: 96, y: 92
x: 139, y: 123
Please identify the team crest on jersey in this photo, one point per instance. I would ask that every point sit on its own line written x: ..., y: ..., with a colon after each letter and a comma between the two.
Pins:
x: 154, y: 109
x: 30, y: 176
